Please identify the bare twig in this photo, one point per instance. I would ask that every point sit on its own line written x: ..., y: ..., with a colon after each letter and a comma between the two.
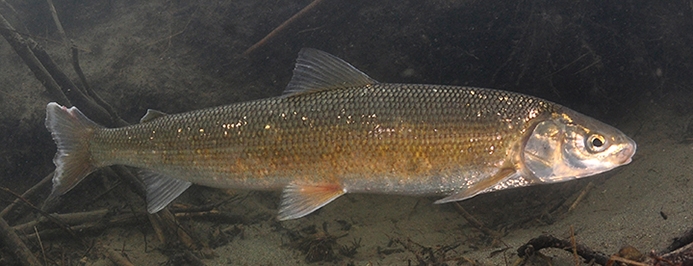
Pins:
x: 681, y: 241
x: 573, y: 245
x: 471, y: 219
x: 165, y: 217
x: 582, y: 195
x: 10, y: 6
x: 43, y: 213
x: 80, y: 73
x: 116, y: 120
x: 681, y: 256
x: 547, y: 241
x: 14, y: 243
x: 43, y: 251
x: 58, y: 25
x: 24, y: 51
x: 117, y: 259
x: 74, y: 218
x: 627, y: 261
x: 75, y: 64
x: 97, y: 225
x: 66, y: 93
x: 27, y: 194
x: 77, y: 96
x: 278, y: 30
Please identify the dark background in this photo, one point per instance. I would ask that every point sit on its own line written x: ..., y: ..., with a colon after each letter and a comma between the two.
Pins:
x: 603, y: 58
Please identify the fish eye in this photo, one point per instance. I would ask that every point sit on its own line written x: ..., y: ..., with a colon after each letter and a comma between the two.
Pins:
x: 596, y: 143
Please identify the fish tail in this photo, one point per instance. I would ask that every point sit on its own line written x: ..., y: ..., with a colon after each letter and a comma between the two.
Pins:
x: 71, y: 130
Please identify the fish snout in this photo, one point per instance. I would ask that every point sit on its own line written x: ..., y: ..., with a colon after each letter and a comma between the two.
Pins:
x: 627, y: 151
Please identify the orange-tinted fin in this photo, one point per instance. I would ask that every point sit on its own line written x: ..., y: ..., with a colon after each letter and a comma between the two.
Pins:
x: 316, y: 70
x: 71, y: 131
x: 481, y: 186
x: 161, y: 189
x: 301, y: 200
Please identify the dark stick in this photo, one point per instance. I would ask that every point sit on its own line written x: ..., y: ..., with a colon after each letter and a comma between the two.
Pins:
x: 471, y: 219
x: 22, y: 48
x: 682, y: 256
x: 14, y: 243
x: 96, y: 225
x: 66, y: 93
x: 59, y: 25
x: 117, y: 259
x: 278, y: 30
x: 56, y: 221
x: 75, y: 64
x: 680, y: 252
x: 67, y: 218
x: 681, y: 241
x: 547, y: 241
x: 74, y: 93
x: 27, y: 194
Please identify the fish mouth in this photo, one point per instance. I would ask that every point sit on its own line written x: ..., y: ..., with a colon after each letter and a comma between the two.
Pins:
x: 627, y: 152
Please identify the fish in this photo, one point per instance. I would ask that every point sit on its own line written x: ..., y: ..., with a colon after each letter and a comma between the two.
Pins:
x: 336, y: 130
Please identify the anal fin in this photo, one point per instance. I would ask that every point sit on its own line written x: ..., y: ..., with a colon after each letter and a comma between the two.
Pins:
x: 161, y: 189
x: 481, y: 186
x: 301, y: 200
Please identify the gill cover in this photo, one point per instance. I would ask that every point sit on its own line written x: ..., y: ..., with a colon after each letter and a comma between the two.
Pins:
x: 570, y: 145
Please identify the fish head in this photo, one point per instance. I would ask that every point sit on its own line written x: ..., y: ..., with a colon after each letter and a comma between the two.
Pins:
x: 570, y: 145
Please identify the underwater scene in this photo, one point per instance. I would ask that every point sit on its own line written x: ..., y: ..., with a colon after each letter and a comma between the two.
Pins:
x: 331, y: 132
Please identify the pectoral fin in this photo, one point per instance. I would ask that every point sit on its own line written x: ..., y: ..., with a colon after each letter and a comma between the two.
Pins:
x: 300, y: 200
x: 481, y: 186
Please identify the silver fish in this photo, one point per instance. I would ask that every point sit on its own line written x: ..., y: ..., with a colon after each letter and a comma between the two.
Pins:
x: 338, y: 131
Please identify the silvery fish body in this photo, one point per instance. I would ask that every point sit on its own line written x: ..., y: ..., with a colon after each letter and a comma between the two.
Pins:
x: 338, y: 131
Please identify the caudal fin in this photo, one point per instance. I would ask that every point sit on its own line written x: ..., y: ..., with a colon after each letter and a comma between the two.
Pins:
x: 71, y: 131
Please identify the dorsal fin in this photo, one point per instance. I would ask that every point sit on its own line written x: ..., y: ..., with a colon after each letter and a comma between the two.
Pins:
x: 317, y: 70
x: 151, y: 115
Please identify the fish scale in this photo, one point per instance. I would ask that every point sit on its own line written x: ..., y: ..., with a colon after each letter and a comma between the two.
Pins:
x: 337, y: 131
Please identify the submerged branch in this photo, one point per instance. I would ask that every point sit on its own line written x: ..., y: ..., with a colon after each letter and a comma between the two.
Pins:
x: 66, y: 93
x: 24, y: 51
x: 10, y: 239
x: 27, y: 194
x: 282, y: 27
x: 546, y: 241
